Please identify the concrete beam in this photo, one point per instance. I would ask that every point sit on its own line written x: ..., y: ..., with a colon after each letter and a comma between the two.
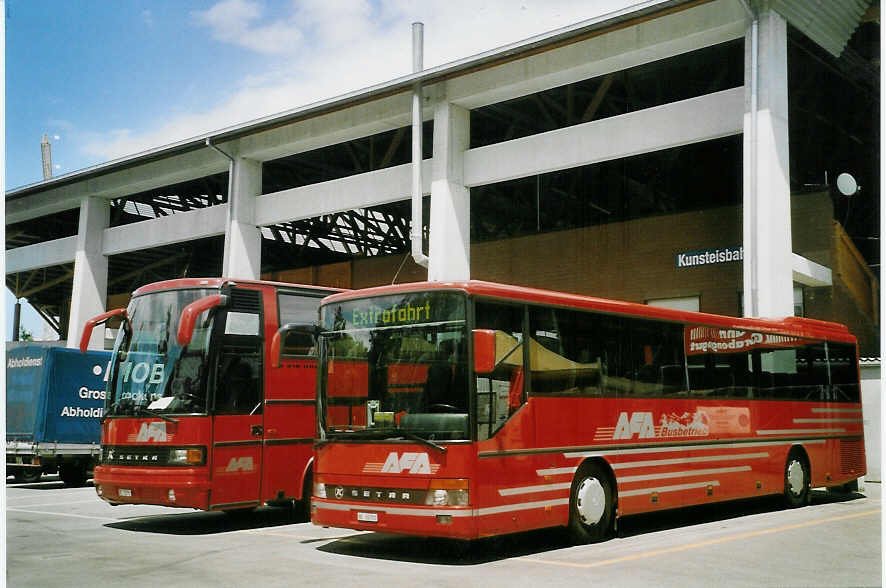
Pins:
x: 766, y: 224
x: 686, y: 30
x: 175, y: 228
x: 807, y: 272
x: 39, y: 255
x: 171, y: 170
x: 369, y: 189
x: 90, y: 287
x: 680, y: 123
x: 358, y: 121
x: 449, y: 252
x: 242, y: 252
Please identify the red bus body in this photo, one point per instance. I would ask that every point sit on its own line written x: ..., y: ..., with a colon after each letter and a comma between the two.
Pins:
x: 659, y: 451
x: 235, y: 457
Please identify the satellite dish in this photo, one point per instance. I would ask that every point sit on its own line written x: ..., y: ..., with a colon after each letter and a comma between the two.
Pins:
x: 847, y: 185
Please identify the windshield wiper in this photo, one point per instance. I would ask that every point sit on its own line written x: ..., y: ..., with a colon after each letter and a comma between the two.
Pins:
x: 386, y: 433
x: 414, y: 437
x: 147, y: 411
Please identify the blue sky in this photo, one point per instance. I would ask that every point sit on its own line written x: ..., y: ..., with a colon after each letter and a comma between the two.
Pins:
x: 105, y: 79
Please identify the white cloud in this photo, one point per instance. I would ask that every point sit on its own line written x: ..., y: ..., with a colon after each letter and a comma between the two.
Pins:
x: 318, y: 49
x: 235, y: 21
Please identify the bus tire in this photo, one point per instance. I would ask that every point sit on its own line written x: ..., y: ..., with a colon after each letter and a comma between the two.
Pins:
x: 796, y: 479
x: 590, y: 505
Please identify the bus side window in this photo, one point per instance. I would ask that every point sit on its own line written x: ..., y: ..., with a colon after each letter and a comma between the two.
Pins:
x: 657, y: 358
x: 565, y: 355
x: 500, y: 393
x: 238, y: 381
x: 301, y: 310
x: 844, y: 373
x: 238, y: 377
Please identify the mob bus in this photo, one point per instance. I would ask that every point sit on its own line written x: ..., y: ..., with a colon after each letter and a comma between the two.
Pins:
x: 473, y: 409
x: 211, y: 395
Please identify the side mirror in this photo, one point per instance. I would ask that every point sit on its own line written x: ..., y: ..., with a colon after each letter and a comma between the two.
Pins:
x: 96, y: 321
x: 298, y: 339
x: 484, y: 351
x: 188, y: 320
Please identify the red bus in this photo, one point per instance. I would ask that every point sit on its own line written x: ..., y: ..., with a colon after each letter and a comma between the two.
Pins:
x: 201, y: 411
x: 473, y: 409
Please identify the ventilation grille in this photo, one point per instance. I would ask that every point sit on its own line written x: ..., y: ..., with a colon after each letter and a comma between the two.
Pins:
x: 246, y: 301
x: 852, y: 456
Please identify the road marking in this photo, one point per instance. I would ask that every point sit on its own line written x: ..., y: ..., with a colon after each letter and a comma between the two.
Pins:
x: 688, y: 546
x: 93, y: 501
x: 61, y: 514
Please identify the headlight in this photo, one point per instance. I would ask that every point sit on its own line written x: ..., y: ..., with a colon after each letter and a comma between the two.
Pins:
x: 448, y: 493
x: 186, y: 456
x: 319, y: 490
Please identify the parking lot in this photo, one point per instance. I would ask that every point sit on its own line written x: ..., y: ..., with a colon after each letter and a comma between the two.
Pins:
x: 66, y: 537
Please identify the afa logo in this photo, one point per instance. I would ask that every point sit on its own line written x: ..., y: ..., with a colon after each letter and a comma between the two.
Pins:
x: 414, y: 463
x: 240, y: 464
x: 152, y: 432
x: 408, y: 463
x: 640, y: 424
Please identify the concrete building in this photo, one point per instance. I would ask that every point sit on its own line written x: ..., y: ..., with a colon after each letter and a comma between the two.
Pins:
x: 678, y: 152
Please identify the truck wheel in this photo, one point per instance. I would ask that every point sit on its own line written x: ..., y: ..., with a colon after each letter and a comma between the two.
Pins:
x: 28, y: 476
x: 73, y: 475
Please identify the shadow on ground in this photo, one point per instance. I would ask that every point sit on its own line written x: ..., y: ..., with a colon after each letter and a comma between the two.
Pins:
x: 461, y: 553
x: 210, y: 523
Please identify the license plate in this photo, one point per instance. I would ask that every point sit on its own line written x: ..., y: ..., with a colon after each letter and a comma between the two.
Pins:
x: 367, y: 517
x: 124, y: 492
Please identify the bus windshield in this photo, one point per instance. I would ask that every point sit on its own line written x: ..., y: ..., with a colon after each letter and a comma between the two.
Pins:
x: 395, y: 366
x: 153, y: 374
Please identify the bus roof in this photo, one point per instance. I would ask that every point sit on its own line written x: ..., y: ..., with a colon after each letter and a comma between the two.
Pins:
x: 796, y: 326
x: 181, y: 283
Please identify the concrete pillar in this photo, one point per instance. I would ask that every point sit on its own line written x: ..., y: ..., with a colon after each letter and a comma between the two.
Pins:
x: 450, y: 239
x: 768, y: 259
x: 90, y: 290
x: 242, y: 258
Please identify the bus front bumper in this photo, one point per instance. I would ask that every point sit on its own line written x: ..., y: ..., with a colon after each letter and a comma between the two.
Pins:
x: 187, y: 488
x: 428, y: 521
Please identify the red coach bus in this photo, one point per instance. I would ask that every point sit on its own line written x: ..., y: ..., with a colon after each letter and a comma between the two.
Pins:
x: 472, y: 409
x: 201, y: 412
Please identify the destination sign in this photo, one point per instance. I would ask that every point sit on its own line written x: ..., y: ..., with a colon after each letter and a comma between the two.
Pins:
x: 414, y: 308
x: 393, y: 315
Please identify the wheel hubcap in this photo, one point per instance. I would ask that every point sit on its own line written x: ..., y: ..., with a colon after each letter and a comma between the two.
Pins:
x: 590, y: 501
x: 795, y: 477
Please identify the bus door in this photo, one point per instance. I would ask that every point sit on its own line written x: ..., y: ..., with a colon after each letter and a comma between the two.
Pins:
x: 238, y: 415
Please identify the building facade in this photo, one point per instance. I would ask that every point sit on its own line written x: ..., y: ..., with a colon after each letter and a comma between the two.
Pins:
x: 679, y: 153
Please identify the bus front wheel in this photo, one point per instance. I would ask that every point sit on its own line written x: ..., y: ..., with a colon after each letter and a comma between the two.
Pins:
x: 796, y: 479
x: 590, y: 505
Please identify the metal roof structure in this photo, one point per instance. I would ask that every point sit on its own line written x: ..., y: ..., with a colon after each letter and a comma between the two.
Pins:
x: 828, y: 23
x: 364, y: 231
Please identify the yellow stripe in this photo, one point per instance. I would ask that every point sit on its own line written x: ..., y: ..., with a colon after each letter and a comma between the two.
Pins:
x: 677, y: 548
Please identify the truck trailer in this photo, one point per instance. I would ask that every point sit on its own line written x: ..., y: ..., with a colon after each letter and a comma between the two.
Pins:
x: 54, y: 404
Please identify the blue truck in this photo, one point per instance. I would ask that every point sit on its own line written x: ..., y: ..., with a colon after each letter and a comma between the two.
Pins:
x: 54, y: 404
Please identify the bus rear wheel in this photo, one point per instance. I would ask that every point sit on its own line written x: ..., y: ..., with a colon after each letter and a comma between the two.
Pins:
x: 590, y: 505
x: 796, y: 479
